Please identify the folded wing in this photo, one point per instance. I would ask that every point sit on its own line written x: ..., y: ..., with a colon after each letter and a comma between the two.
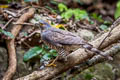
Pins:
x: 61, y: 37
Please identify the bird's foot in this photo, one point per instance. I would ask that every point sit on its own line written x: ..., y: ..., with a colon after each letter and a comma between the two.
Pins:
x: 52, y: 64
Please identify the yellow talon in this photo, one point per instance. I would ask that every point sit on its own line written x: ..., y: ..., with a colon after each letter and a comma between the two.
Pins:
x: 52, y: 64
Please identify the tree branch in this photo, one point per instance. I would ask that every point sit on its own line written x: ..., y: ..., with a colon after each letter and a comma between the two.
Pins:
x: 76, y: 57
x: 11, y: 46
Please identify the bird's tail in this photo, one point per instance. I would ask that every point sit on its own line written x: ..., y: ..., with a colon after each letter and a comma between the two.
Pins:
x: 95, y: 50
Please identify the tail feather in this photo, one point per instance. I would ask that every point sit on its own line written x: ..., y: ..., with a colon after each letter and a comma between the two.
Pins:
x: 91, y: 48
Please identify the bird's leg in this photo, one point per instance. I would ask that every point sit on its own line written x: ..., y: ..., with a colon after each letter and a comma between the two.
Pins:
x: 52, y: 63
x: 62, y: 54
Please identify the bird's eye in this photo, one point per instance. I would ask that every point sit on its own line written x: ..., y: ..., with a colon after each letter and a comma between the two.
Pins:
x: 41, y: 24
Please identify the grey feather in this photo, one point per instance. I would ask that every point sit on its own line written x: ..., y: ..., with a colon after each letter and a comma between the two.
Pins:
x: 61, y: 37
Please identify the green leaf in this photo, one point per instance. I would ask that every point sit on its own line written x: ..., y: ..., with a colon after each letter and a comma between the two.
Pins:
x: 91, y: 22
x: 33, y: 52
x: 107, y: 22
x: 68, y: 14
x: 46, y: 47
x: 80, y: 14
x: 44, y: 52
x: 117, y: 11
x: 89, y: 76
x: 97, y: 17
x: 103, y: 27
x: 31, y: 0
x: 53, y: 2
x: 62, y: 7
x: 47, y: 56
x: 6, y: 33
x: 25, y: 34
x: 51, y: 9
x: 53, y: 52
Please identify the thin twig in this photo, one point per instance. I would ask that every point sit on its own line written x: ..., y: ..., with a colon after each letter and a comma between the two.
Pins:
x: 30, y: 24
x: 23, y: 9
x: 31, y: 34
x: 7, y: 23
x: 10, y: 13
x: 27, y: 44
x: 117, y: 22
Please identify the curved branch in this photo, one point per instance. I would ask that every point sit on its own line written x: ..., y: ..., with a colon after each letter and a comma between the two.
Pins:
x: 11, y: 46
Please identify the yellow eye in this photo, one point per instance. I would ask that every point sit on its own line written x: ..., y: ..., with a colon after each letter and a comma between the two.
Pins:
x: 41, y: 24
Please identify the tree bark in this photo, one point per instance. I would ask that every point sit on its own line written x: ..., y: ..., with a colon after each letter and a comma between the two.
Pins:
x: 11, y: 46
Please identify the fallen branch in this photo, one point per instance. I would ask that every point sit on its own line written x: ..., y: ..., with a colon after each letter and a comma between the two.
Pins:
x: 74, y: 58
x: 7, y: 23
x: 11, y: 46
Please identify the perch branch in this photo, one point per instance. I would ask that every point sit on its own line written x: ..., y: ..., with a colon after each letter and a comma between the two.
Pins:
x: 75, y: 58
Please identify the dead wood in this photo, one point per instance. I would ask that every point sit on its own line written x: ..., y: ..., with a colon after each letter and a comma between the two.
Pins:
x: 11, y: 46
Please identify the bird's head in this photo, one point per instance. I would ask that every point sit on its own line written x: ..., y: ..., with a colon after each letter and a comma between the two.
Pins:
x: 43, y: 25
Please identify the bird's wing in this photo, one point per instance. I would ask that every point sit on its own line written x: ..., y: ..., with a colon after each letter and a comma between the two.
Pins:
x: 62, y: 37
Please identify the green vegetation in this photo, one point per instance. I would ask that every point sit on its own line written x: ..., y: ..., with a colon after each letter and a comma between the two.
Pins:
x: 97, y: 17
x: 117, y: 11
x: 67, y: 13
x: 44, y: 53
x: 6, y: 33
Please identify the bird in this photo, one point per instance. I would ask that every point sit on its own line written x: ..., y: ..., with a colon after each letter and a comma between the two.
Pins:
x: 60, y: 40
